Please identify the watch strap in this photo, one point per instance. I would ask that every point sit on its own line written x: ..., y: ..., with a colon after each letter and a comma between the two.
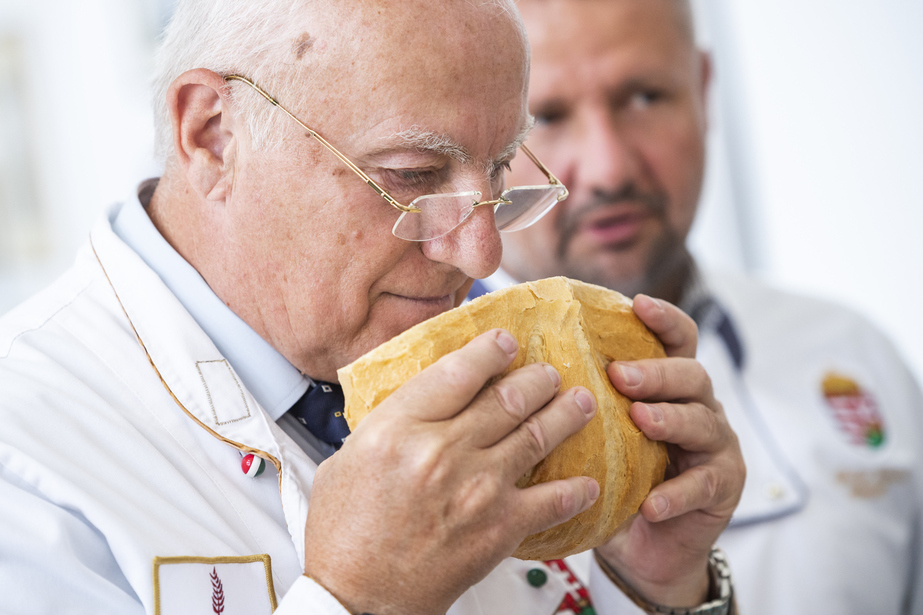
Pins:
x: 720, y: 593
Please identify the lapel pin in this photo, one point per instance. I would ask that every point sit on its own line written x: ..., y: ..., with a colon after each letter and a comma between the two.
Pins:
x: 252, y: 465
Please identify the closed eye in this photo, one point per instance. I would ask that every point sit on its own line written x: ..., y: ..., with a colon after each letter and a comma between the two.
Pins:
x: 410, y: 180
x: 498, y: 170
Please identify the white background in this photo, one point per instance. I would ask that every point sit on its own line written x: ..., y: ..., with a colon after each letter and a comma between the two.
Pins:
x: 814, y: 177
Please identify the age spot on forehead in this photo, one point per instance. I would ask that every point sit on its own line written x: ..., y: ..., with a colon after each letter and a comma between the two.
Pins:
x: 302, y: 45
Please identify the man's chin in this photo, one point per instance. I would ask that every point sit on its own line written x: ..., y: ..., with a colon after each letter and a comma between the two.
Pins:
x: 395, y: 314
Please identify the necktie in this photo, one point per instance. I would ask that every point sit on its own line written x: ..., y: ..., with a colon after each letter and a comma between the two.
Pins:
x: 321, y: 411
x: 709, y: 314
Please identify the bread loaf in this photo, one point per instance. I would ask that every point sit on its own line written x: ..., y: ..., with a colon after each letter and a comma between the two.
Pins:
x: 579, y: 329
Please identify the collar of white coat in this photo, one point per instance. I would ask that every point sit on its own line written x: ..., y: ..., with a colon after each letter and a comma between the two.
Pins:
x: 272, y: 380
x: 200, y: 380
x: 191, y: 367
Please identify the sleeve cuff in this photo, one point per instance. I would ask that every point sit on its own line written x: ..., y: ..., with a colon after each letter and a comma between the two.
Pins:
x: 307, y: 597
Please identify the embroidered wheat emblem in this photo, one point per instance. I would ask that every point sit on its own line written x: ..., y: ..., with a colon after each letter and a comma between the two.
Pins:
x: 217, y: 593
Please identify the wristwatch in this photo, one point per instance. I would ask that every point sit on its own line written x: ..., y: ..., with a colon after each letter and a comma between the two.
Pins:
x: 720, y: 591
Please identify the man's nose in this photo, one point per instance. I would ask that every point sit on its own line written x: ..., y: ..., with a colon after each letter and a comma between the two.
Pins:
x: 605, y: 156
x: 473, y: 247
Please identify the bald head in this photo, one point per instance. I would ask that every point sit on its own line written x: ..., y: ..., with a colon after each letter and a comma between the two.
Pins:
x: 287, y: 46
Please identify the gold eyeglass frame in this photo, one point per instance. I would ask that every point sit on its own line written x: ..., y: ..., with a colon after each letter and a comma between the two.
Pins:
x: 552, y: 180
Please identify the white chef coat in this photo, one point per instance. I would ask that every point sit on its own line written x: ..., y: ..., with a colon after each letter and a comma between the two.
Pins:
x: 825, y: 524
x: 121, y: 433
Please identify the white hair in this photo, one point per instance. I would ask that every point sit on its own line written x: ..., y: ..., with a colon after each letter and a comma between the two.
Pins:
x: 227, y: 37
x: 246, y: 37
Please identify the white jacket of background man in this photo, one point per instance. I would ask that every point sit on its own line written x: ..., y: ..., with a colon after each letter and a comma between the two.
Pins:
x: 831, y: 516
x: 121, y: 434
x: 832, y: 509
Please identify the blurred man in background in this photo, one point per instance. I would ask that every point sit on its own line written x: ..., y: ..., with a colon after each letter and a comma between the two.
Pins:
x: 829, y: 417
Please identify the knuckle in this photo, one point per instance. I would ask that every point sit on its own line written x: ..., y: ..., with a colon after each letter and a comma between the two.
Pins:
x: 511, y: 399
x: 703, y: 421
x: 657, y: 377
x: 686, y: 328
x: 378, y: 444
x: 663, y: 429
x: 563, y: 504
x: 426, y: 464
x: 715, y: 432
x: 704, y: 379
x: 456, y: 373
x: 535, y: 440
x: 709, y: 482
x: 477, y: 495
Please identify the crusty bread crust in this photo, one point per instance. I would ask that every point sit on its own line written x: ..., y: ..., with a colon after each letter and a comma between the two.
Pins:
x: 579, y: 329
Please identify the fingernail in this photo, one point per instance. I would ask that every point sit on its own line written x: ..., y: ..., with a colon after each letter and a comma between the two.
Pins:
x: 659, y: 504
x: 592, y: 489
x: 585, y: 400
x: 631, y: 375
x: 554, y: 375
x: 507, y: 342
x: 655, y: 412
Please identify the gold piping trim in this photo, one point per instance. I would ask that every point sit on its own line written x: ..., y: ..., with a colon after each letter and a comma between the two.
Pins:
x: 236, y: 445
x: 189, y: 559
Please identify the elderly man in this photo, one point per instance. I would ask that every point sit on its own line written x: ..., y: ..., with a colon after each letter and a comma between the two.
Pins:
x: 200, y: 331
x: 828, y: 416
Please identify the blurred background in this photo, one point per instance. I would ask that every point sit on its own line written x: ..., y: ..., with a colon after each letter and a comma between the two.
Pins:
x: 815, y: 171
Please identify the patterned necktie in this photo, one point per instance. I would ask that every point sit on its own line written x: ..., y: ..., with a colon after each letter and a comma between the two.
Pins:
x: 321, y: 411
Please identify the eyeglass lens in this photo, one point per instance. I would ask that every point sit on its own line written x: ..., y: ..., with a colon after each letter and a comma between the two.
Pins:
x: 440, y: 214
x: 527, y: 204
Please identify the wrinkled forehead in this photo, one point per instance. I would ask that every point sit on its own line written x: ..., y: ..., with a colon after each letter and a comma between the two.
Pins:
x: 368, y: 62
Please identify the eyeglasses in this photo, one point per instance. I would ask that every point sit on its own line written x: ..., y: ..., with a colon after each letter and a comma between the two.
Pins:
x: 433, y: 215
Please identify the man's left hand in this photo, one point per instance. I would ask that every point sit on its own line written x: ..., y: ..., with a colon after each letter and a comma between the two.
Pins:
x: 663, y: 553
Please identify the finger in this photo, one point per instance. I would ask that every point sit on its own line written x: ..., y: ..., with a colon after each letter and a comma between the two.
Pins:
x: 661, y: 380
x: 712, y: 488
x: 447, y: 386
x: 502, y: 407
x: 538, y: 435
x: 675, y: 329
x: 549, y: 504
x: 692, y: 427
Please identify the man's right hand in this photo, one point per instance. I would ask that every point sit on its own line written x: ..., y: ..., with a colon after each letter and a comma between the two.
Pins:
x: 421, y: 502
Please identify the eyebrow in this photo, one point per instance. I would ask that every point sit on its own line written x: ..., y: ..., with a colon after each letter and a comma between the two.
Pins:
x: 440, y: 143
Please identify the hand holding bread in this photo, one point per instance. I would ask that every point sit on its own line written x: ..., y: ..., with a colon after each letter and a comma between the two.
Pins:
x: 663, y: 552
x: 422, y: 500
x: 577, y: 328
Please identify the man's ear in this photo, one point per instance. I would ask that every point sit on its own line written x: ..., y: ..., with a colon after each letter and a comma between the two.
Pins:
x: 202, y: 131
